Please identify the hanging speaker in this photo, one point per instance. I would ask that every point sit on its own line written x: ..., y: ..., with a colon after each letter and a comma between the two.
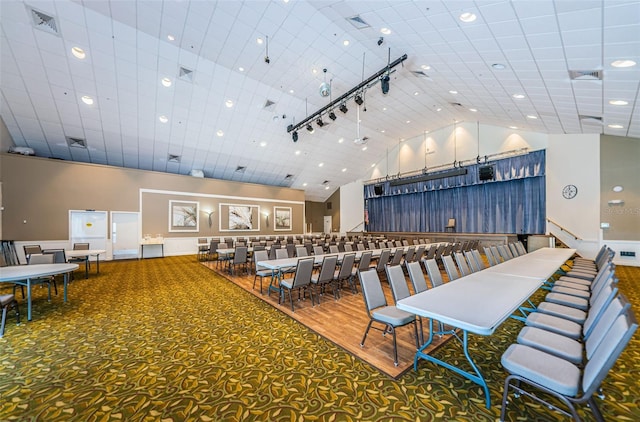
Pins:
x: 378, y: 189
x: 485, y: 172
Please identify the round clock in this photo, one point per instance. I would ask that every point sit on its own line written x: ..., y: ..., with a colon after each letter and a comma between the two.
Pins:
x: 569, y: 191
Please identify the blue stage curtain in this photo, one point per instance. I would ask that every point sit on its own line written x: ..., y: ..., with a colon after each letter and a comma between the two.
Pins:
x: 513, y: 202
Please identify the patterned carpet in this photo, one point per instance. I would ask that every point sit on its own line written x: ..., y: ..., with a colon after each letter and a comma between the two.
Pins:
x: 168, y: 340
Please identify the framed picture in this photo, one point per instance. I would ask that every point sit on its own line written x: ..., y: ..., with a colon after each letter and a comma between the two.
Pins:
x: 282, y: 218
x: 237, y: 217
x: 183, y: 216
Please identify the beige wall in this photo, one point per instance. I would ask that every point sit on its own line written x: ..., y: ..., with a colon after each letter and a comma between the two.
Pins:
x: 6, y: 140
x: 38, y: 194
x: 334, y: 212
x: 314, y: 212
x: 620, y: 166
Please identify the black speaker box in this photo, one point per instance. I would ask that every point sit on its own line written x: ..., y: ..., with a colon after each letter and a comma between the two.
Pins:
x: 378, y: 189
x: 485, y: 172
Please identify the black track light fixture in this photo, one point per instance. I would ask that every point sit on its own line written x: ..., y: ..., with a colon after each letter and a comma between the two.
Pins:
x: 294, y: 136
x: 309, y: 127
x: 358, y: 99
x: 384, y: 84
x: 343, y: 108
x: 332, y: 115
x: 319, y: 122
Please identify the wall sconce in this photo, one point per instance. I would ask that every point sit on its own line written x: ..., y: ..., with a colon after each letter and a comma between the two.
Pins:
x: 209, y: 213
x: 616, y: 202
x: 266, y: 217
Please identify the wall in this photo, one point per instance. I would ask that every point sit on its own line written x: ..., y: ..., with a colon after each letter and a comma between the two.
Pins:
x: 351, y: 207
x: 334, y: 212
x: 314, y: 213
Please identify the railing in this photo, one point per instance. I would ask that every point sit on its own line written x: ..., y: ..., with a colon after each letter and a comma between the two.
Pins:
x: 562, y: 228
x: 356, y: 226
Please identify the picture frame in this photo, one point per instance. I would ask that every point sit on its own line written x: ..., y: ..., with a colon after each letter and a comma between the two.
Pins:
x: 184, y: 216
x: 282, y: 219
x: 239, y: 217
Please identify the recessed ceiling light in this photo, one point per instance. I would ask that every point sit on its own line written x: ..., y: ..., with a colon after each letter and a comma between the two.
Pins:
x: 87, y: 99
x: 373, y: 165
x: 163, y: 119
x: 298, y: 152
x: 618, y: 188
x: 623, y: 63
x: 320, y: 164
x: 291, y: 91
x: 259, y: 40
x: 171, y: 37
x: 344, y: 169
x: 220, y: 133
x: 408, y: 121
x: 518, y: 96
x: 498, y: 66
x: 615, y: 126
x: 618, y: 102
x: 263, y: 144
x: 384, y: 109
x: 425, y: 67
x: 304, y: 184
x: 382, y: 130
x: 439, y: 109
x: 453, y: 91
x: 326, y: 188
x: 314, y: 70
x: 341, y: 140
x: 345, y: 43
x: 513, y: 127
x: 78, y: 53
x: 228, y: 103
x: 166, y: 82
x: 364, y: 148
x: 241, y: 69
x: 531, y: 116
x: 473, y: 109
x: 467, y: 17
x: 385, y: 31
x: 416, y: 93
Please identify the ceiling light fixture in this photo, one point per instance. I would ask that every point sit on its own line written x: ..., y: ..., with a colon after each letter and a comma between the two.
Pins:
x: 171, y: 37
x: 473, y: 109
x: 228, y: 103
x: 332, y: 115
x: 343, y: 108
x: 358, y: 99
x: 531, y: 116
x: 319, y: 122
x: 78, y: 53
x: 294, y: 136
x: 220, y: 133
x: 163, y: 119
x: 614, y: 126
x: 498, y: 66
x: 385, y: 31
x: 263, y: 144
x: 468, y: 17
x: 87, y: 100
x: 166, y: 82
x: 345, y: 43
x: 344, y: 169
x: 341, y: 140
x: 425, y: 67
x: 618, y: 102
x: 241, y: 69
x: 320, y: 164
x: 325, y: 88
x: 310, y: 128
x: 623, y: 63
x: 453, y: 91
x: 259, y: 40
x: 518, y: 96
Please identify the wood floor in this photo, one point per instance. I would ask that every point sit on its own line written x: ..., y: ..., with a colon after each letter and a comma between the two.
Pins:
x: 343, y: 322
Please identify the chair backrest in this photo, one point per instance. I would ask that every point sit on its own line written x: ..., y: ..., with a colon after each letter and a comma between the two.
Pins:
x: 439, y: 251
x: 281, y: 253
x: 318, y: 250
x: 222, y: 245
x: 371, y: 290
x: 433, y: 271
x: 607, y: 353
x: 617, y: 306
x: 346, y: 267
x: 471, y: 260
x: 397, y: 256
x: 360, y: 246
x: 365, y: 260
x: 291, y: 250
x: 59, y: 257
x: 85, y: 246
x: 521, y: 248
x: 405, y: 242
x: 450, y: 268
x: 479, y: 261
x: 398, y: 284
x: 240, y: 255
x: 462, y: 264
x: 348, y: 248
x: 417, y: 277
x: 333, y: 249
x: 415, y: 242
x: 40, y: 259
x: 504, y: 252
x: 496, y: 254
x: 514, y: 251
x: 304, y: 269
x: 383, y: 260
x: 259, y: 256
x: 408, y: 256
x: 489, y: 255
x: 431, y: 253
x: 32, y: 249
x: 419, y: 252
x: 301, y: 251
x: 451, y: 223
x: 447, y: 250
x: 328, y: 268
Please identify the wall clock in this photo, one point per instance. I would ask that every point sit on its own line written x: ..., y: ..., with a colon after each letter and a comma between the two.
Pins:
x: 569, y: 191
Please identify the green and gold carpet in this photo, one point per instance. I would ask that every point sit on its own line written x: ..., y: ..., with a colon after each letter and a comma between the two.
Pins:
x: 168, y: 340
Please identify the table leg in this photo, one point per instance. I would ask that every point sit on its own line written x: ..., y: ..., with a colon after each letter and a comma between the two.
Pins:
x: 475, y: 377
x: 29, y: 299
x: 86, y: 268
x: 66, y: 282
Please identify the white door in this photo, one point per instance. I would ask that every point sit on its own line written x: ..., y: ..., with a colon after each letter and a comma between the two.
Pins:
x: 327, y: 224
x: 125, y: 234
x: 88, y: 227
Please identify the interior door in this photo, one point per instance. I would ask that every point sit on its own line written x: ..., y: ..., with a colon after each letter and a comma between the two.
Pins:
x: 328, y: 223
x: 125, y: 234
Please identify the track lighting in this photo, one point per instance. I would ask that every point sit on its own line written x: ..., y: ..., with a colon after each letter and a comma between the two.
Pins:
x: 309, y: 127
x: 343, y: 108
x: 384, y: 84
x: 319, y: 122
x: 332, y: 115
x: 358, y: 99
x: 380, y: 40
x: 294, y: 136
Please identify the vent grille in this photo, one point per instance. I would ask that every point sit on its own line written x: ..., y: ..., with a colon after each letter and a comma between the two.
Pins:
x: 241, y: 169
x: 288, y: 177
x: 456, y: 104
x: 76, y: 142
x: 420, y: 74
x: 44, y: 22
x: 185, y: 74
x: 585, y: 75
x: 596, y: 120
x: 268, y: 105
x: 358, y: 22
x: 326, y: 182
x: 173, y: 158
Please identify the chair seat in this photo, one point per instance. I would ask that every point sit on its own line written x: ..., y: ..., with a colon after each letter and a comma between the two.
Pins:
x: 554, y: 324
x: 542, y: 368
x: 571, y: 291
x: 572, y: 285
x: 6, y: 299
x: 567, y: 312
x: 392, y: 315
x: 575, y: 280
x: 568, y: 300
x: 555, y: 344
x: 287, y: 282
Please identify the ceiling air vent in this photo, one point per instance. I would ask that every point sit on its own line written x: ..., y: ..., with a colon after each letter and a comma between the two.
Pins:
x: 288, y: 177
x: 358, y: 22
x: 326, y: 182
x: 173, y: 158
x: 76, y: 142
x: 240, y: 169
x: 456, y: 104
x: 420, y: 74
x: 585, y: 75
x: 596, y: 120
x: 44, y: 22
x: 185, y: 74
x: 268, y: 105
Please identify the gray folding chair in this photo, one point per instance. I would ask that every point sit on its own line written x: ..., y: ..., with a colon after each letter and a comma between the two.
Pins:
x: 462, y: 264
x: 417, y: 277
x: 325, y: 276
x: 6, y: 301
x: 380, y: 312
x: 301, y: 280
x: 450, y: 268
x: 345, y: 273
x: 489, y: 255
x: 262, y: 272
x: 433, y: 272
x: 471, y: 260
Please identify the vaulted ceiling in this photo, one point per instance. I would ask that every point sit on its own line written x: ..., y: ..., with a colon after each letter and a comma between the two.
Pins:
x: 537, y: 65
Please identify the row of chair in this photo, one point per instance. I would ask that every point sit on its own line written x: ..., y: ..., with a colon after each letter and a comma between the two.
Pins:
x: 574, y: 338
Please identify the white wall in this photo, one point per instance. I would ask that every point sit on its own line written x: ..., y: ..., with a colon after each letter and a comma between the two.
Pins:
x: 352, y: 207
